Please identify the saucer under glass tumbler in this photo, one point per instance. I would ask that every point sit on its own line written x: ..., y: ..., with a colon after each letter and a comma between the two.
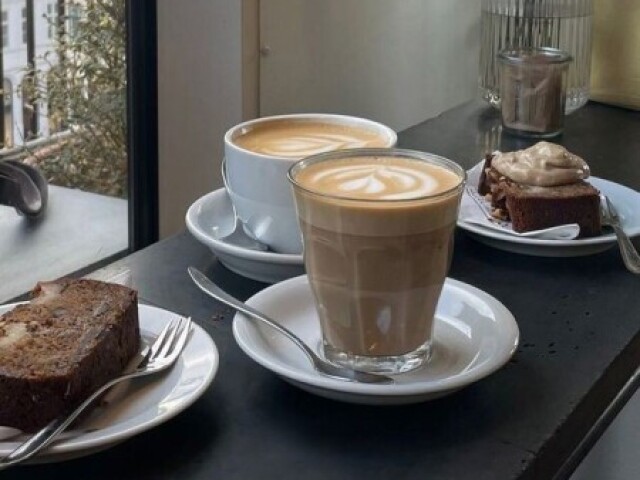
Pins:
x: 377, y: 227
x: 562, y: 24
x: 533, y: 82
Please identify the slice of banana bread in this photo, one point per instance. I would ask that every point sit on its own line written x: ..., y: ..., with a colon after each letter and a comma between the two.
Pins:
x: 74, y: 336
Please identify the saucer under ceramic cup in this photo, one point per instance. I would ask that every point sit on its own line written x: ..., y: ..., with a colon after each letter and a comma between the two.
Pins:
x: 256, y: 177
x: 210, y: 218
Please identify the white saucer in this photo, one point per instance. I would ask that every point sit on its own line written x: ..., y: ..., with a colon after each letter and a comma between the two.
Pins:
x: 474, y: 336
x: 140, y: 404
x: 625, y: 200
x: 213, y: 212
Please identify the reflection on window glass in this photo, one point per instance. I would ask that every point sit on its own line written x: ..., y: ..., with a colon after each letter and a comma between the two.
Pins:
x: 29, y: 113
x: 8, y: 112
x: 24, y: 25
x: 74, y: 18
x: 78, y: 85
x: 52, y: 19
x: 64, y: 90
x: 5, y: 29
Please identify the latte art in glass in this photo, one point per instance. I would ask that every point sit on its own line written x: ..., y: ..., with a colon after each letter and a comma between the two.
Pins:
x: 371, y: 179
x: 298, y: 139
x: 377, y: 228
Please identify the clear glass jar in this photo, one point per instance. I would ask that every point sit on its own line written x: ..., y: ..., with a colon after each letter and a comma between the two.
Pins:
x: 561, y: 24
x: 533, y: 85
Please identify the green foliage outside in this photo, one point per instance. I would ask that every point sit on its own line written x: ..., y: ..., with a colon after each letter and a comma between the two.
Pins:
x: 83, y: 82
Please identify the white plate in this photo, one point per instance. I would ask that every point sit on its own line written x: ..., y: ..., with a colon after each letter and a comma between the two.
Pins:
x: 626, y: 201
x: 474, y: 336
x: 140, y: 404
x: 213, y: 212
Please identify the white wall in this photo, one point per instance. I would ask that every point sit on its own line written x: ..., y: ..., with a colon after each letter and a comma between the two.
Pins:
x: 199, y: 90
x: 399, y: 62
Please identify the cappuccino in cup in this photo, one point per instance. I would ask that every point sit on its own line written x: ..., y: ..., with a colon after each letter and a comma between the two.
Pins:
x: 377, y: 227
x: 292, y: 138
x: 260, y: 152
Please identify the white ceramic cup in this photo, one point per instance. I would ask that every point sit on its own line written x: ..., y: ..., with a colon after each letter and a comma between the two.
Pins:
x: 258, y: 186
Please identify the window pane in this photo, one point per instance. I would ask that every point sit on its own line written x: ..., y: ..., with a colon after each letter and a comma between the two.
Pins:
x: 24, y: 25
x: 5, y: 28
x: 64, y: 114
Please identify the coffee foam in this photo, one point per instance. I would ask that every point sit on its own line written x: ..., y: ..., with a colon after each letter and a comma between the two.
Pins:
x: 372, y: 178
x: 374, y: 181
x: 303, y: 145
x: 409, y: 197
x: 298, y: 139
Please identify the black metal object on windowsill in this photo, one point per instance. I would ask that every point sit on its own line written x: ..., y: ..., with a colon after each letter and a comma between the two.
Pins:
x: 24, y: 188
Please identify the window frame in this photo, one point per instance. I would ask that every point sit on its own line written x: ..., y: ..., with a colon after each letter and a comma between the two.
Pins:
x: 5, y: 29
x: 142, y: 122
x: 25, y: 22
x: 52, y: 19
x: 142, y: 128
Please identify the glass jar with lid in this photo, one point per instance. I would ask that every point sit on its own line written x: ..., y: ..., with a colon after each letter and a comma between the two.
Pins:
x: 561, y: 24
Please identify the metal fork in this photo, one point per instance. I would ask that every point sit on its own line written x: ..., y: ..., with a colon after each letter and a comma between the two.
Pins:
x: 157, y: 357
x: 610, y: 217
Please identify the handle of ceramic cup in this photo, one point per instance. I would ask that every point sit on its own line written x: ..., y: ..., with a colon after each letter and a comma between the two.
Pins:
x: 223, y: 171
x: 225, y: 182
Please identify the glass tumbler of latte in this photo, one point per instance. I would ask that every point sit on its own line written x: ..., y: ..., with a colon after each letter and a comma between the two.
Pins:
x: 377, y: 227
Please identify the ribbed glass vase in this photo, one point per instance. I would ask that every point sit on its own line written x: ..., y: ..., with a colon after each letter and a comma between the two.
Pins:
x: 562, y: 24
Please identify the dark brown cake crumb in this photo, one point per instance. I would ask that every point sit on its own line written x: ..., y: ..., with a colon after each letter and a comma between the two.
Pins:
x: 55, y: 351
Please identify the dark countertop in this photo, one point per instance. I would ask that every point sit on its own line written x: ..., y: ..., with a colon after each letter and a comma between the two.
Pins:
x: 608, y: 138
x: 580, y: 346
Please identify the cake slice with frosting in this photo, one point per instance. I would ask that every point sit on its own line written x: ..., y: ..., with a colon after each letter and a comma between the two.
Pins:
x: 540, y: 187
